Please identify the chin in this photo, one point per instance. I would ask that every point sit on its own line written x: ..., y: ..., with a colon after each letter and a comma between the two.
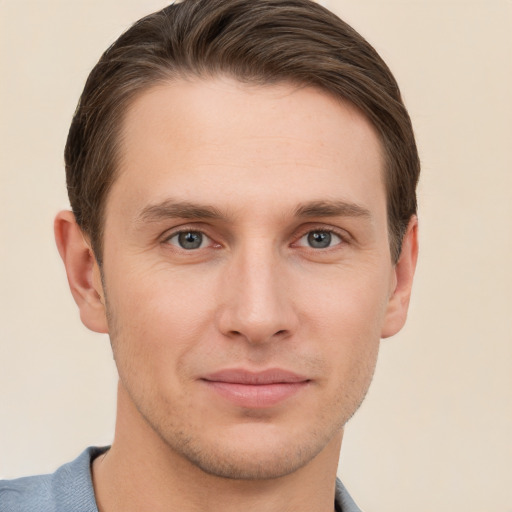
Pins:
x: 256, y: 453
x: 250, y: 464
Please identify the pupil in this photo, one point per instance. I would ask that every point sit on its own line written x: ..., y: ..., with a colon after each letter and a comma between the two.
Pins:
x: 319, y: 239
x: 190, y: 240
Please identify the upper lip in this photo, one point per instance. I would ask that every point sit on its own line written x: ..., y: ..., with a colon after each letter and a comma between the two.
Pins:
x: 242, y: 376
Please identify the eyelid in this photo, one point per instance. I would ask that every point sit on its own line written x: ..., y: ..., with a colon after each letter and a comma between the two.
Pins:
x: 205, y: 239
x: 299, y: 233
x: 304, y: 230
x: 186, y: 228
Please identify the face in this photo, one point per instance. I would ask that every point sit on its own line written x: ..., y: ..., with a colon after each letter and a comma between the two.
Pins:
x: 247, y: 271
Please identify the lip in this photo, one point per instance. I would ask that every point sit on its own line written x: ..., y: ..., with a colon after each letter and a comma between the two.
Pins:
x: 255, y: 390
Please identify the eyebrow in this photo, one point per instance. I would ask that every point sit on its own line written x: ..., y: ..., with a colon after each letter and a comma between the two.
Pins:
x: 169, y: 209
x: 332, y: 209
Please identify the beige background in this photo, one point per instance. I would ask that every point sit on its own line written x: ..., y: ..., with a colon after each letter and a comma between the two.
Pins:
x: 435, y: 431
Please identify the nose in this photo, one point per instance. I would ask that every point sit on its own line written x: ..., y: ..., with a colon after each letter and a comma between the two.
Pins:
x: 256, y: 303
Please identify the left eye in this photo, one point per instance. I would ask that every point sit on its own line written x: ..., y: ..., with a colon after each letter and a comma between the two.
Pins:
x: 320, y: 239
x: 189, y: 240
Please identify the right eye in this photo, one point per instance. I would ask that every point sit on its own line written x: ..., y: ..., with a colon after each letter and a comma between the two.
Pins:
x: 189, y: 240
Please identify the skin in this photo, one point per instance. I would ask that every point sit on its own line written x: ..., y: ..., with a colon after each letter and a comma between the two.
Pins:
x: 254, y: 173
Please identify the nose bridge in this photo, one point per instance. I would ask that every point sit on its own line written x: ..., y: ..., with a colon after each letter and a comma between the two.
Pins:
x: 258, y: 306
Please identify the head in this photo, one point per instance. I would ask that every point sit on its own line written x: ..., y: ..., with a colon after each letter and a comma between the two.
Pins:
x: 264, y: 42
x: 242, y: 175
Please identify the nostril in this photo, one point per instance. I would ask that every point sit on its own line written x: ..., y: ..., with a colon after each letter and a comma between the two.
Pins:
x: 280, y: 333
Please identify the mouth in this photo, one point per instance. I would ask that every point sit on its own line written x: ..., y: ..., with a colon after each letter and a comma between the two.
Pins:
x: 255, y: 390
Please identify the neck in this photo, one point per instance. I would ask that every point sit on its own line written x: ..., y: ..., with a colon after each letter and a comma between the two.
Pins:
x: 141, y: 472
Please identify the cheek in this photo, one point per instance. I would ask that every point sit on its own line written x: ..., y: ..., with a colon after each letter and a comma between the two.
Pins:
x: 344, y: 315
x: 351, y: 344
x: 156, y: 319
x: 351, y: 301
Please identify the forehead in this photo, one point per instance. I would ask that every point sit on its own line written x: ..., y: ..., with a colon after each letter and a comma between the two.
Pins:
x: 219, y: 140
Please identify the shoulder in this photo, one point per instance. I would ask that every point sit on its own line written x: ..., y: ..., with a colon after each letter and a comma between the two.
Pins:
x: 69, y: 489
x: 344, y: 502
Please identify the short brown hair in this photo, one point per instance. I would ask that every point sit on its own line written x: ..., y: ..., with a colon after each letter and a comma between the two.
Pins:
x: 254, y: 41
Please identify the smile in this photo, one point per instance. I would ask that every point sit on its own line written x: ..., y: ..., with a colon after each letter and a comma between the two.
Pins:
x: 256, y: 390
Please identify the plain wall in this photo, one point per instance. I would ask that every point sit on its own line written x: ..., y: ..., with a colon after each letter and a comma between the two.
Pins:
x: 435, y: 430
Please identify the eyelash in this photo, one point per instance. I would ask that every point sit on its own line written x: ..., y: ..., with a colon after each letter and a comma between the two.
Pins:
x: 343, y: 237
x: 175, y: 234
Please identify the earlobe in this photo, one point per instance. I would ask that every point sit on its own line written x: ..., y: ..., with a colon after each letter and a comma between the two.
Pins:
x: 398, y: 304
x: 82, y: 270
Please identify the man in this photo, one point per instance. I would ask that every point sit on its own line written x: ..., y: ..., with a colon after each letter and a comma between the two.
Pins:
x: 242, y: 179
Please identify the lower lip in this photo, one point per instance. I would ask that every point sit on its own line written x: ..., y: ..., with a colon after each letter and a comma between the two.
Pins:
x: 256, y: 396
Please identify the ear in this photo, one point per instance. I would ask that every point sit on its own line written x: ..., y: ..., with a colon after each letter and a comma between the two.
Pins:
x: 403, y: 274
x: 83, y: 272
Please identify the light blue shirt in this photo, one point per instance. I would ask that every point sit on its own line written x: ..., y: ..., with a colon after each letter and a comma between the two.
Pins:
x: 70, y: 489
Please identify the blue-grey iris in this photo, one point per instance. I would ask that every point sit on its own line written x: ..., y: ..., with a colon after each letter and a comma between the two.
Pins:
x: 190, y: 240
x: 319, y: 239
